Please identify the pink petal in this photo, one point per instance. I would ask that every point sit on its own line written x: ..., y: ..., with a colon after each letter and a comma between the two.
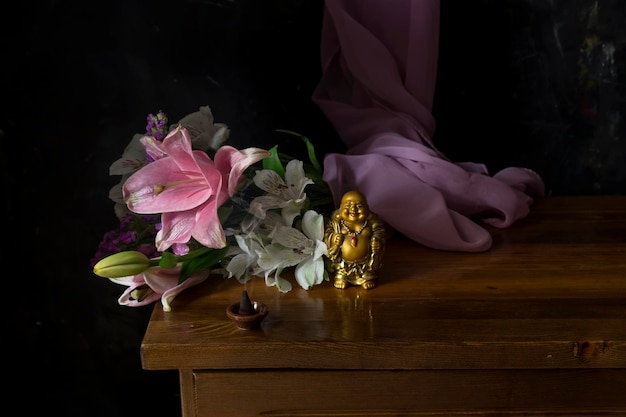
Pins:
x: 162, y: 279
x: 134, y: 282
x: 208, y: 229
x: 126, y: 300
x: 162, y: 186
x: 131, y: 281
x: 164, y: 284
x: 195, y: 279
x: 153, y: 147
x: 177, y: 143
x: 232, y: 162
x: 176, y: 227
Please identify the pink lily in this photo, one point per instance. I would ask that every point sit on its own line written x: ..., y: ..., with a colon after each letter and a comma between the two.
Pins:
x: 187, y: 187
x: 154, y: 283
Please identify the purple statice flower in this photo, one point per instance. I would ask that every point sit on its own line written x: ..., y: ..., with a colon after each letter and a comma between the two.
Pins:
x: 157, y: 125
x: 157, y: 128
x: 135, y: 232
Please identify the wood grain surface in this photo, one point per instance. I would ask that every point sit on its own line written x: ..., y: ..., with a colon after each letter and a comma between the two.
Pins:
x: 542, y: 311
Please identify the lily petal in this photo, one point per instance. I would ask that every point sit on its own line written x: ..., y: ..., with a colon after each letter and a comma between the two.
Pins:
x: 235, y: 162
x: 194, y: 279
x: 162, y: 281
x: 207, y: 229
x: 176, y: 228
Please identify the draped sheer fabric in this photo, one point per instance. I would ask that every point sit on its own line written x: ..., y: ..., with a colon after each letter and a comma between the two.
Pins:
x: 379, y: 64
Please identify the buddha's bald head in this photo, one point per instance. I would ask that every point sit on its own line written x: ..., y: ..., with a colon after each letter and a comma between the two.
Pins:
x: 354, y: 206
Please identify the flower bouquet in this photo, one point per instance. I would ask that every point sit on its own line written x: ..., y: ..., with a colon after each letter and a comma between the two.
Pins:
x: 191, y: 206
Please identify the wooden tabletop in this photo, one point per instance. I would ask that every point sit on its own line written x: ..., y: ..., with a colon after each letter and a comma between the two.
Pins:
x: 551, y: 293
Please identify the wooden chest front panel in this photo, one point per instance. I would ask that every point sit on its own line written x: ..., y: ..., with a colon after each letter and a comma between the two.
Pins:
x: 409, y: 393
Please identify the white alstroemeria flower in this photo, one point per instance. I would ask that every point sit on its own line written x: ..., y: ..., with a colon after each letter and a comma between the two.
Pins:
x: 243, y: 266
x: 115, y: 194
x: 277, y: 281
x: 287, y: 194
x: 133, y: 158
x: 263, y: 227
x: 291, y: 247
x: 203, y: 132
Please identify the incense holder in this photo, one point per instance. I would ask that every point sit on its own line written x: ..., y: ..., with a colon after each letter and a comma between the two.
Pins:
x: 247, y: 321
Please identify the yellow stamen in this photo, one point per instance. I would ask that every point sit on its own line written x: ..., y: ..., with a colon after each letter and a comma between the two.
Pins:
x: 158, y: 189
x: 141, y: 292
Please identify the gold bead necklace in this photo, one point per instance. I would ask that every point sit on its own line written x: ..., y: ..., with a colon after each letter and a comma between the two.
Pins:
x: 354, y: 240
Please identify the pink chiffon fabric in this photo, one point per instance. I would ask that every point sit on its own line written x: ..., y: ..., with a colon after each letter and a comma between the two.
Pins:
x: 379, y: 63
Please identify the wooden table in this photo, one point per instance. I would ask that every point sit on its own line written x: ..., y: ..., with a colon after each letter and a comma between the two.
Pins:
x: 535, y: 326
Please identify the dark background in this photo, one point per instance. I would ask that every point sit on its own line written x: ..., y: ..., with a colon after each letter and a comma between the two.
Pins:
x: 530, y: 83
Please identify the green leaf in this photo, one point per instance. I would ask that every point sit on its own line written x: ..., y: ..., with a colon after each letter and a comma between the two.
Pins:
x: 273, y: 162
x: 208, y: 261
x: 168, y: 260
x: 309, y: 147
x: 311, y: 152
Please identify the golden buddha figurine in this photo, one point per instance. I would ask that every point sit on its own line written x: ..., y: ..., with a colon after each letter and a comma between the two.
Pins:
x: 355, y: 238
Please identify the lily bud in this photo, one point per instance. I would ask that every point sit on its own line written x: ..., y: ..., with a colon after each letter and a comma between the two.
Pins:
x: 122, y: 264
